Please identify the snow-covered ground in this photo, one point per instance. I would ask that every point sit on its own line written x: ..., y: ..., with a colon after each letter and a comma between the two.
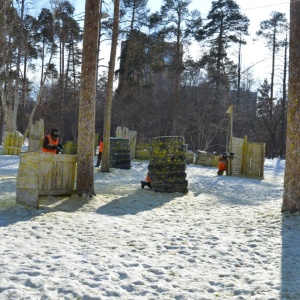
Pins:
x: 225, y: 239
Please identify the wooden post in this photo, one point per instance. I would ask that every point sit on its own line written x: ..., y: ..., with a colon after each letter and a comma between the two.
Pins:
x: 244, y: 155
x: 230, y: 112
x: 36, y: 136
x: 262, y: 159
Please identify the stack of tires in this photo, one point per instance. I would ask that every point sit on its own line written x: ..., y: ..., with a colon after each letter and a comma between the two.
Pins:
x: 167, y: 164
x: 119, y: 154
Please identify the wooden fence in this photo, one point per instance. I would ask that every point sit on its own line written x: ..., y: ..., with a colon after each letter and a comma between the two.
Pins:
x: 248, y: 158
x: 44, y: 174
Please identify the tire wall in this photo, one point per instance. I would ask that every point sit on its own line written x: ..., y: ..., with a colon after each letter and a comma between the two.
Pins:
x: 167, y: 164
x: 119, y: 154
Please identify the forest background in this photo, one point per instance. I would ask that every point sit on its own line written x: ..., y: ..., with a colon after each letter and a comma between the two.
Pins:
x: 162, y: 87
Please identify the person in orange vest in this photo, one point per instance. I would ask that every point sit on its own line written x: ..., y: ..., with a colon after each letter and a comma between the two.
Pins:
x: 100, y: 153
x: 222, y: 164
x: 147, y: 182
x: 51, y: 142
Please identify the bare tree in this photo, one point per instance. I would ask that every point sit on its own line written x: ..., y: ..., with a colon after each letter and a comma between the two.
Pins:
x: 291, y: 193
x: 86, y: 123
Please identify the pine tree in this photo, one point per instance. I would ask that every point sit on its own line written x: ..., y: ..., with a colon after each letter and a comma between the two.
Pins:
x: 225, y: 25
x: 272, y: 30
x: 86, y: 125
x: 179, y: 25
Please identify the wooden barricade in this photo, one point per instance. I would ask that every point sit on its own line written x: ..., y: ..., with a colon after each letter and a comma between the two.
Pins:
x: 141, y: 151
x: 36, y: 136
x: 71, y: 148
x: 248, y: 158
x: 206, y: 159
x: 44, y: 174
x: 13, y: 142
x: 125, y: 133
x: 237, y: 161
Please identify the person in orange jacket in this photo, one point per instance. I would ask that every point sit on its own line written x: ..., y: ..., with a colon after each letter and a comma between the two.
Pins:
x: 222, y: 164
x: 51, y: 142
x: 147, y: 182
x: 100, y: 153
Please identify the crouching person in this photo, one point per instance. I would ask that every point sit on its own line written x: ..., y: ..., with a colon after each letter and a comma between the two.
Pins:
x: 147, y: 182
x: 51, y: 142
x: 222, y: 164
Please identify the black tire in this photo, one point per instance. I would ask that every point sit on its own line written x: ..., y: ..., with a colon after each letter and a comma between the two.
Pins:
x: 168, y: 159
x: 159, y: 167
x: 170, y: 188
x: 168, y: 149
x: 166, y: 177
x: 167, y: 164
x: 123, y: 167
x: 121, y: 156
x: 117, y: 162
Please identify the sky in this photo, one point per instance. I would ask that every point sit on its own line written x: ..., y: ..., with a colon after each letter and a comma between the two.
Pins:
x: 254, y: 54
x: 225, y: 239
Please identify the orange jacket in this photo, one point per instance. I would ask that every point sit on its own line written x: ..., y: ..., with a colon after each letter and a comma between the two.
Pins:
x: 148, y: 179
x: 222, y: 164
x: 101, y: 146
x: 51, y: 143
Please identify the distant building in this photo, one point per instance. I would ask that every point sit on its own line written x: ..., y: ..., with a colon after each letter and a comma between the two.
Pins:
x: 244, y: 113
x: 151, y: 61
x: 244, y: 103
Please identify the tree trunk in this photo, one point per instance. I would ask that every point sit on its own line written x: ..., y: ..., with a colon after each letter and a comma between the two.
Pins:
x: 291, y: 193
x: 109, y: 92
x: 86, y: 124
x: 284, y: 100
x: 18, y: 81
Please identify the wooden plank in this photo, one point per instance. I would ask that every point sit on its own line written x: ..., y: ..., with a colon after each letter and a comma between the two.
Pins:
x: 23, y: 180
x: 132, y: 143
x: 237, y: 149
x: 28, y: 196
x: 55, y: 192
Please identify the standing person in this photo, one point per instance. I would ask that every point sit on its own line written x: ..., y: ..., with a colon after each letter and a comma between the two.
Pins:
x: 147, y: 182
x: 222, y: 164
x: 100, y: 153
x: 51, y: 142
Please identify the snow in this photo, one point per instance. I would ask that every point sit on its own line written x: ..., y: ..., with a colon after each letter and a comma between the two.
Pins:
x: 225, y: 239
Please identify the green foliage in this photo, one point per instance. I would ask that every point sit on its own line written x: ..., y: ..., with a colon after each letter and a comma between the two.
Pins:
x: 272, y: 29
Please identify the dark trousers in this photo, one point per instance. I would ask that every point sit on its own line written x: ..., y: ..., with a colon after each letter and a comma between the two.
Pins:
x: 99, y: 159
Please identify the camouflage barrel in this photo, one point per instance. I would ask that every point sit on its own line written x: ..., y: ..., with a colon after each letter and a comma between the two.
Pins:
x: 119, y: 154
x: 167, y: 164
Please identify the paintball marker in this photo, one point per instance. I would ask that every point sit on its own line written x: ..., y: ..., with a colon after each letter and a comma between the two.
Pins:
x: 59, y: 148
x: 231, y: 155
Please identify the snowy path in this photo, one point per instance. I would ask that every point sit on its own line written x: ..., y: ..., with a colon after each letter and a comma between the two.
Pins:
x: 225, y: 239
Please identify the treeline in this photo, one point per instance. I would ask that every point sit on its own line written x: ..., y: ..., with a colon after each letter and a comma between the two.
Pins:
x: 162, y: 89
